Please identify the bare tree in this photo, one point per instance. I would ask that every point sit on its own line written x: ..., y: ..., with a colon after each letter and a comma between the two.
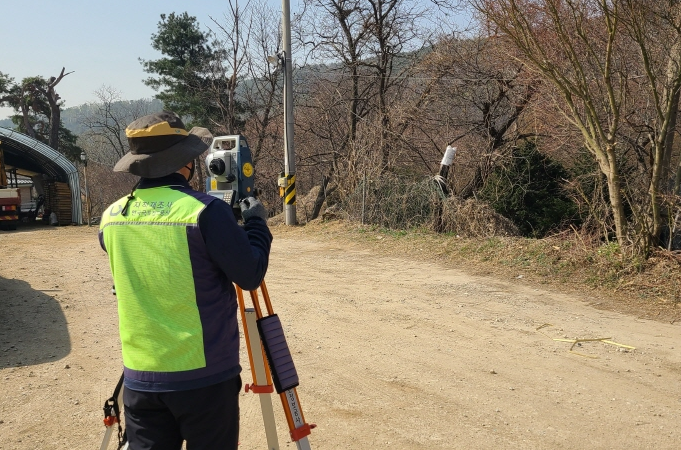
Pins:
x: 107, y: 186
x: 655, y: 29
x: 39, y: 104
x: 597, y: 53
x: 247, y: 89
x: 336, y: 30
x: 367, y: 49
x: 54, y: 100
x: 106, y: 120
x: 260, y: 95
x: 574, y: 46
x: 393, y: 27
x: 472, y: 94
x: 228, y: 71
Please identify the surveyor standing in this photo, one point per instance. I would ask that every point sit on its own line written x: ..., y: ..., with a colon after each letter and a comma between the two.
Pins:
x: 174, y: 254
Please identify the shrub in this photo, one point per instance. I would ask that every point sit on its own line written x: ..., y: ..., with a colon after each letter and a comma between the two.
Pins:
x: 394, y: 202
x: 528, y: 190
x: 400, y: 203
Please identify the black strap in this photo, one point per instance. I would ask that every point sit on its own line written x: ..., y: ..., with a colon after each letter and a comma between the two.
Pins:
x: 112, y: 409
x: 124, y: 212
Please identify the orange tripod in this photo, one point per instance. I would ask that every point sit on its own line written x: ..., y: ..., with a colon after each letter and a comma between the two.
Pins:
x: 272, y: 368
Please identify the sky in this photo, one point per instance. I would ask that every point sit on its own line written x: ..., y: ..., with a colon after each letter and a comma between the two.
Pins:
x: 101, y: 42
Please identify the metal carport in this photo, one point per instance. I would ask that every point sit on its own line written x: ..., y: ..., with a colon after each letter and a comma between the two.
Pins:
x: 31, y: 158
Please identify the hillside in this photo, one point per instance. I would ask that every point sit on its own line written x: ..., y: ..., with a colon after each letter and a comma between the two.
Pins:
x: 303, y: 77
x: 72, y: 117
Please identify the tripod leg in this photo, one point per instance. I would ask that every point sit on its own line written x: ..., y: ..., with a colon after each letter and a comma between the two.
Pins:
x: 277, y: 363
x: 112, y: 418
x: 107, y: 438
x: 296, y: 421
x: 260, y: 373
x: 262, y: 381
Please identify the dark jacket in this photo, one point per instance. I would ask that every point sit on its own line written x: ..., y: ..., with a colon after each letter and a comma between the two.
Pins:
x: 221, y: 253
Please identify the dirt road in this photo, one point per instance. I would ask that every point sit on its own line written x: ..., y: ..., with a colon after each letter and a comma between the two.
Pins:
x: 392, y: 353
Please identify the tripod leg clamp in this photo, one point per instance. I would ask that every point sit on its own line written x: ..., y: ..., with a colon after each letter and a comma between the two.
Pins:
x: 284, y: 373
x: 265, y: 389
x: 302, y: 431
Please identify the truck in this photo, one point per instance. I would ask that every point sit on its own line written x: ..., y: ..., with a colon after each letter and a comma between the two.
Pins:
x: 10, y: 199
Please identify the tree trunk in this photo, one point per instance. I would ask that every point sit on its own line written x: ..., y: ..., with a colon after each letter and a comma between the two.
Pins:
x: 321, y: 195
x: 474, y: 185
x: 200, y: 175
x: 55, y: 121
x: 654, y: 189
x: 27, y: 123
x: 55, y: 109
x: 611, y: 172
x: 672, y: 92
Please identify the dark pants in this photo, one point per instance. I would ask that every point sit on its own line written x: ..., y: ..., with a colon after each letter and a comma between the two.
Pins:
x: 207, y: 418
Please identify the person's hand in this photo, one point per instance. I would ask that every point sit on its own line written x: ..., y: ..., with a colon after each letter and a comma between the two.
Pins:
x: 251, y: 207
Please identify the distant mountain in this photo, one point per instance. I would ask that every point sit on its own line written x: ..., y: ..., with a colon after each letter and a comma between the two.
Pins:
x: 72, y: 117
x: 304, y: 78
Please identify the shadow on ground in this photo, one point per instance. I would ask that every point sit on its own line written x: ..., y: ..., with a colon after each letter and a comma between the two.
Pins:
x: 23, y: 227
x: 33, y: 328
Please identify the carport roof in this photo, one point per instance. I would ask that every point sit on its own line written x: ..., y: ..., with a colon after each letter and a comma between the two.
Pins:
x: 31, y: 157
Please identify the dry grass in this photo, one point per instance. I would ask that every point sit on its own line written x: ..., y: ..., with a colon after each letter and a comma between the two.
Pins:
x: 472, y: 218
x: 473, y: 236
x: 467, y: 218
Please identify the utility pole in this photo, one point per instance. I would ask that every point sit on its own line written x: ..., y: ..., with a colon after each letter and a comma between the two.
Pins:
x: 289, y: 153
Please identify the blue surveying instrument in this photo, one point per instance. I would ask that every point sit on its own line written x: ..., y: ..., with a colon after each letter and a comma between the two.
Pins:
x: 230, y: 166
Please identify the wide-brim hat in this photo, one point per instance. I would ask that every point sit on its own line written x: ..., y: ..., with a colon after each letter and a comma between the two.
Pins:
x: 160, y: 145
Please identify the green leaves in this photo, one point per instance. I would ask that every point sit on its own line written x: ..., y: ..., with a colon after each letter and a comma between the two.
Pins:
x: 528, y: 191
x: 34, y: 117
x: 5, y: 84
x: 180, y: 38
x: 185, y: 77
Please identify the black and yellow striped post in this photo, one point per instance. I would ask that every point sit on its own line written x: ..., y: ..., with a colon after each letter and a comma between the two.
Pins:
x: 287, y: 188
x: 290, y: 190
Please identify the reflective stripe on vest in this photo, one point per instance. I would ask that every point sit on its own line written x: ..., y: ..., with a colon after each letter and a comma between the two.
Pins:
x: 160, y: 325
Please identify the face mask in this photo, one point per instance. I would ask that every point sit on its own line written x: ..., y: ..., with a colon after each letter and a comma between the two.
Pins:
x: 191, y: 171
